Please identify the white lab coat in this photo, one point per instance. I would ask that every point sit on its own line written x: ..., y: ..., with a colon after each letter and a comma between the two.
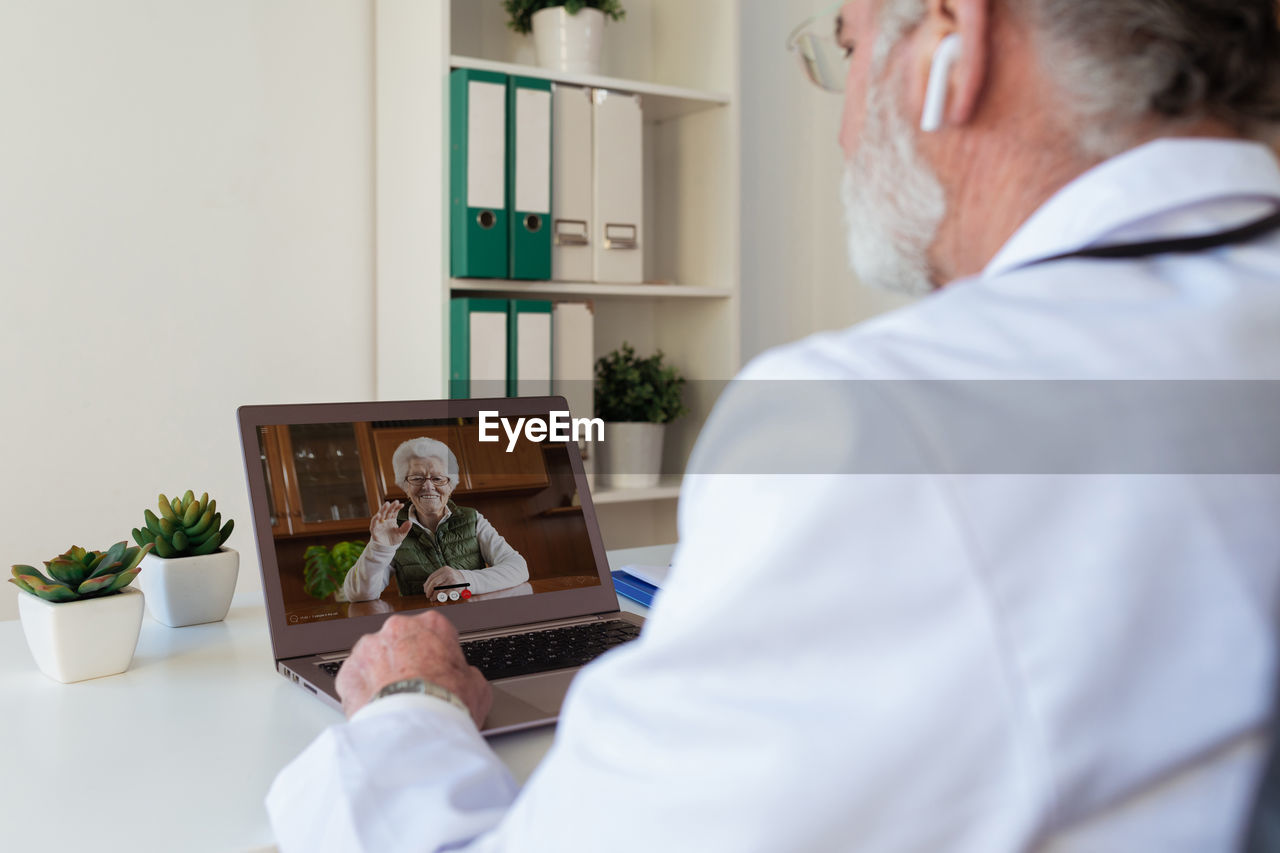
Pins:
x: 954, y: 661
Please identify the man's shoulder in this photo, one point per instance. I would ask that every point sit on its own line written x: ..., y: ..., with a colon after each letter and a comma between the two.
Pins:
x: 808, y: 407
x: 1073, y: 319
x: 893, y: 345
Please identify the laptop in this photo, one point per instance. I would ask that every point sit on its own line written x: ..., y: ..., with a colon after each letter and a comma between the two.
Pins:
x: 535, y: 601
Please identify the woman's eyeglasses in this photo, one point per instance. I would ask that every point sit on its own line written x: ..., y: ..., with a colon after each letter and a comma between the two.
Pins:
x: 823, y: 59
x: 417, y: 482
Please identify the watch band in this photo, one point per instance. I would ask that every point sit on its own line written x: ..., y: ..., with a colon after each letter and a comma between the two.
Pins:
x: 422, y: 687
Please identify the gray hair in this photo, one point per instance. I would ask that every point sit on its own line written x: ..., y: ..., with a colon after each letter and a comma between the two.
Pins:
x: 1123, y: 64
x: 424, y: 448
x: 897, y: 19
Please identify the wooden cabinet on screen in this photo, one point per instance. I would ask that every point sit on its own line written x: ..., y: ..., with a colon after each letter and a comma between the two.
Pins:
x: 325, y: 474
x: 274, y: 475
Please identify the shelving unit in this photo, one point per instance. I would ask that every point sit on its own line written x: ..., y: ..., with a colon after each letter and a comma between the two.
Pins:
x: 587, y: 289
x: 681, y: 57
x: 661, y: 103
x: 667, y: 489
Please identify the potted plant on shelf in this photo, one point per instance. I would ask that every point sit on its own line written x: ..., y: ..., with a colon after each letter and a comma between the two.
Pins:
x: 82, y: 620
x: 326, y: 568
x: 567, y: 34
x: 190, y: 577
x: 636, y: 397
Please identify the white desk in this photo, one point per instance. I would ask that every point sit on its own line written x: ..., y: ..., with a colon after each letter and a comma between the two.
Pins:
x: 177, y: 753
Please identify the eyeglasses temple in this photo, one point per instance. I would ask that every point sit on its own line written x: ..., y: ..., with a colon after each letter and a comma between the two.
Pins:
x: 810, y: 21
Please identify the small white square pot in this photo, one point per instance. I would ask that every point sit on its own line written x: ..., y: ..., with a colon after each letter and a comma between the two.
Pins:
x: 78, y: 640
x: 190, y: 590
x: 630, y: 457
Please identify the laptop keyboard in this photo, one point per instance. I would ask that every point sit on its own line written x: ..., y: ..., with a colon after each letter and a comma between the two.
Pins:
x: 538, y: 651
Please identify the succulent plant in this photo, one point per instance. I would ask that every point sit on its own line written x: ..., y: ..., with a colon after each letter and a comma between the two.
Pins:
x: 79, y: 574
x: 184, y: 528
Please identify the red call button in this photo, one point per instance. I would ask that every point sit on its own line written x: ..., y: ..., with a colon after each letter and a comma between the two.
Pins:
x: 466, y: 593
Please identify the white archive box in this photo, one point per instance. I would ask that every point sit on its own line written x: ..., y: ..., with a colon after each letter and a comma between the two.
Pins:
x: 571, y: 177
x: 573, y: 356
x: 618, y: 146
x: 573, y: 364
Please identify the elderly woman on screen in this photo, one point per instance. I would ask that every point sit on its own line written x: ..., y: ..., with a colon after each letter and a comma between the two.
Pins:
x: 431, y: 541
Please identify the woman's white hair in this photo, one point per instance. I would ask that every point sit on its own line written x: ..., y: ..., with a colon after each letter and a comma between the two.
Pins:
x: 424, y: 448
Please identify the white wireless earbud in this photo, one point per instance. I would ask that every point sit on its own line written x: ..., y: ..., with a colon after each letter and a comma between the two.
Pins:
x: 935, y: 95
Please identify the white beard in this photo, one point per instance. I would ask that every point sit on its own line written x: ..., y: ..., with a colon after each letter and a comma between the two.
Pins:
x: 893, y: 203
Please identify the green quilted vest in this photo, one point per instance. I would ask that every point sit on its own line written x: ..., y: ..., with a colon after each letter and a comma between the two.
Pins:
x: 454, y: 544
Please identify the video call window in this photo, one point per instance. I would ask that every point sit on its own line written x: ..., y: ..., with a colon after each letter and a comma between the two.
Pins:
x: 473, y: 522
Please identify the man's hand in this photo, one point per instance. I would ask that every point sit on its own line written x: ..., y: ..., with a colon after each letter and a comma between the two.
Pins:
x: 442, y: 576
x: 424, y: 646
x: 383, y: 528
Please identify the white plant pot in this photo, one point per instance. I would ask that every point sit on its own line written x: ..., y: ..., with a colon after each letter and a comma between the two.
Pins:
x: 569, y: 43
x: 190, y: 590
x: 630, y: 457
x: 78, y: 640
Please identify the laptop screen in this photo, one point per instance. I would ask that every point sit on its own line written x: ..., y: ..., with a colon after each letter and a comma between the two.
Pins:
x: 365, y: 517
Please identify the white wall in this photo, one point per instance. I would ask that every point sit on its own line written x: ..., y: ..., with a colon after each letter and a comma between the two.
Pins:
x: 795, y: 279
x: 186, y: 225
x: 186, y: 191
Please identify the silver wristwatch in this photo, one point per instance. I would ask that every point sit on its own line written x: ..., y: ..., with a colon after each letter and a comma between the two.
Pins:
x: 423, y: 687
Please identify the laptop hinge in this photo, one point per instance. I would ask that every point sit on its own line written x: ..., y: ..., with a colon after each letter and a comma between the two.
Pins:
x: 334, y: 656
x: 528, y: 627
x: 480, y: 635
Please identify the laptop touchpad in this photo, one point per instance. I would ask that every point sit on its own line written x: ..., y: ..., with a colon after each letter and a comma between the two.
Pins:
x: 545, y: 691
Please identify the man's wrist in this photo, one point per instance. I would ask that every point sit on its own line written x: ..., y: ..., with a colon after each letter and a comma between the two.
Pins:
x: 421, y: 687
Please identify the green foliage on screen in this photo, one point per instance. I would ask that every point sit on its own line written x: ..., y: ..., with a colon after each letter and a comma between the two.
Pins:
x: 326, y: 568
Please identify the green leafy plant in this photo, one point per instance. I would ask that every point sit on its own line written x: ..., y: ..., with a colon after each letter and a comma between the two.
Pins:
x: 185, y: 527
x: 326, y: 568
x: 78, y: 574
x: 521, y: 11
x: 630, y: 389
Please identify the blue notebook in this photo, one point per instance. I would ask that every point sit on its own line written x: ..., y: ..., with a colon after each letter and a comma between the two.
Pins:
x: 634, y: 588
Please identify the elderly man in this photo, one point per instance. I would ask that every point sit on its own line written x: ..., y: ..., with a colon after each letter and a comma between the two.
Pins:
x: 992, y: 660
